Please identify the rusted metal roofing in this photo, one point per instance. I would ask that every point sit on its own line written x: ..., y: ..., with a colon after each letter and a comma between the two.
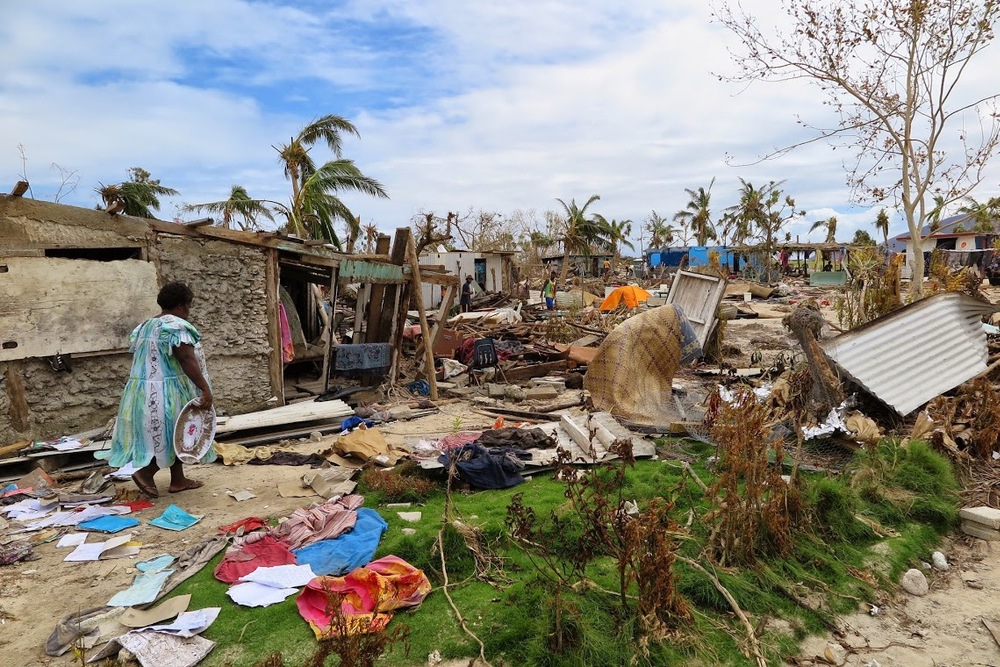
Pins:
x: 916, y: 353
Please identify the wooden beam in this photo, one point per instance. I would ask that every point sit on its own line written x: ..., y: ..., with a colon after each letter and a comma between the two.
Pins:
x: 444, y: 279
x: 200, y: 222
x: 411, y: 251
x: 18, y: 399
x: 276, y: 368
x: 378, y: 292
x: 534, y: 371
x: 19, y: 189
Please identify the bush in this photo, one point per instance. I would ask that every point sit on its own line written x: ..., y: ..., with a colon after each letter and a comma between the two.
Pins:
x: 404, y: 484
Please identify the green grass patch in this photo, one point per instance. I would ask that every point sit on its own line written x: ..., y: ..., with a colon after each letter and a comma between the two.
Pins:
x: 910, y: 490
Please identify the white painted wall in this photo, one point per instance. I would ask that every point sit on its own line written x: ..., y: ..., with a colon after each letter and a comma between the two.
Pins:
x: 461, y: 264
x: 928, y: 245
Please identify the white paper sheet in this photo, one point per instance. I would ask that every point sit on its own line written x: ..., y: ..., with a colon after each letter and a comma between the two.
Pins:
x: 124, y: 473
x: 67, y: 445
x: 85, y: 552
x: 95, y: 550
x: 281, y: 576
x: 72, y: 540
x: 252, y: 594
x: 187, y: 624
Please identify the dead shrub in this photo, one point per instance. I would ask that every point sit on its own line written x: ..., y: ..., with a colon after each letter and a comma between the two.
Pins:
x: 874, y: 288
x: 969, y: 422
x: 403, y: 484
x: 753, y: 508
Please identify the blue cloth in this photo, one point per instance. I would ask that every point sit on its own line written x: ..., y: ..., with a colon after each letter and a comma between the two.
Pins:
x: 174, y: 518
x: 550, y: 303
x: 419, y: 388
x: 348, y: 551
x: 109, y: 524
x: 482, y: 468
x: 354, y: 422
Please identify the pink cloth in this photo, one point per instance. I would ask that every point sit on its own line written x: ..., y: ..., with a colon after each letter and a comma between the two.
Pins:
x: 323, y: 522
x: 242, y: 559
x: 367, y: 595
x: 287, y: 347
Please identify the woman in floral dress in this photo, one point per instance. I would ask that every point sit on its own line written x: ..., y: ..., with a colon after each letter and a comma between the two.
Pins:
x: 168, y: 371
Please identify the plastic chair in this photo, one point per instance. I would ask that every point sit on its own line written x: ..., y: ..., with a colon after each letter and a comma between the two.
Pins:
x: 484, y: 355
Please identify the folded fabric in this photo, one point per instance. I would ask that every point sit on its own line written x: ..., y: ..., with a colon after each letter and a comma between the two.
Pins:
x: 367, y: 596
x: 145, y: 588
x: 109, y: 524
x: 243, y: 559
x: 322, y: 522
x: 174, y: 518
x: 349, y: 551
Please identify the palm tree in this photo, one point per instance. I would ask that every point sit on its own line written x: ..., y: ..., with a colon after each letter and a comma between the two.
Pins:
x: 240, y: 208
x: 315, y: 206
x: 749, y: 213
x: 314, y: 203
x: 616, y: 232
x: 882, y: 225
x: 981, y: 214
x: 578, y: 231
x: 697, y: 214
x: 139, y: 196
x: 830, y: 226
x: 661, y: 234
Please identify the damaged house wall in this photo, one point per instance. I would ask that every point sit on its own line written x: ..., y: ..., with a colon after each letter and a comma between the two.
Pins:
x: 230, y: 311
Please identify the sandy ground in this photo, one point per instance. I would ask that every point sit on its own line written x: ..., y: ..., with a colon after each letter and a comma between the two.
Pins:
x: 943, y: 629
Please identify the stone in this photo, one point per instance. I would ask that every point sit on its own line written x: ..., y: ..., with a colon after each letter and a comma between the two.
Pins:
x: 980, y: 531
x: 915, y: 583
x: 986, y: 516
x: 542, y: 394
x: 315, y: 436
x: 494, y: 390
x: 409, y: 531
x: 411, y: 517
x: 515, y: 393
x: 939, y: 561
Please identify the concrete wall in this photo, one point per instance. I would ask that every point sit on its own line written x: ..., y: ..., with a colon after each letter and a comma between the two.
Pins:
x: 230, y: 311
x: 62, y: 403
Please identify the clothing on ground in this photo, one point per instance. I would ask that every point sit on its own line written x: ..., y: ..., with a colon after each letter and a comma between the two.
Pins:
x: 367, y: 595
x: 352, y: 549
x: 482, y: 468
x: 242, y: 559
x: 323, y: 522
x: 156, y: 391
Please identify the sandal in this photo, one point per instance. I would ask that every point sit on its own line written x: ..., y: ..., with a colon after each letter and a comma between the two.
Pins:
x: 149, y: 490
x: 188, y: 485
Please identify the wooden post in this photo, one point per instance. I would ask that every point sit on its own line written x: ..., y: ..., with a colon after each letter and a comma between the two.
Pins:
x: 375, y: 302
x: 446, y: 301
x: 334, y: 289
x: 275, y: 365
x: 425, y: 331
x: 18, y: 400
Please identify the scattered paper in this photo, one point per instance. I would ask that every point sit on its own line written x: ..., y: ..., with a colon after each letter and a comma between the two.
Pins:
x: 174, y: 518
x: 140, y: 618
x: 187, y: 624
x: 240, y: 496
x: 116, y: 547
x: 109, y: 524
x: 252, y: 594
x: 157, y: 649
x: 155, y: 564
x: 144, y: 589
x: 281, y: 576
x: 124, y: 473
x: 72, y: 540
x: 67, y: 445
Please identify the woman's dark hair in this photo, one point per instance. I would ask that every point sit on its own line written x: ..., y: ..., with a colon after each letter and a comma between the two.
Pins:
x: 173, y: 295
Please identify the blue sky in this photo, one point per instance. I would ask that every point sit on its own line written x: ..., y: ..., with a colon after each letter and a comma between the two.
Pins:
x: 460, y: 104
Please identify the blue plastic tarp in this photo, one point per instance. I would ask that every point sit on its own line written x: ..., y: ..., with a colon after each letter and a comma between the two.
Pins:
x: 348, y: 551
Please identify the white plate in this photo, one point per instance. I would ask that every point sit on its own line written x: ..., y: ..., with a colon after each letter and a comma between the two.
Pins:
x: 194, y: 432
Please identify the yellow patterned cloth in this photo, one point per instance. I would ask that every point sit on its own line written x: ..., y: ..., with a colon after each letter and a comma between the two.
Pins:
x: 632, y: 372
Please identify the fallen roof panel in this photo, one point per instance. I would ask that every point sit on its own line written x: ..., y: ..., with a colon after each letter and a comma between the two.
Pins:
x: 918, y: 352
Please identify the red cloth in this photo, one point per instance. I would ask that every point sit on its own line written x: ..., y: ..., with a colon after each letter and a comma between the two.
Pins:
x: 248, y: 524
x: 138, y: 505
x: 243, y: 559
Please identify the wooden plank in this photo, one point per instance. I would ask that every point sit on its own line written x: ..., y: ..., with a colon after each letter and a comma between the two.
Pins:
x: 534, y: 371
x: 439, y: 279
x: 388, y: 316
x: 288, y: 414
x: 274, y: 363
x: 51, y: 305
x: 18, y: 398
x: 378, y: 292
x: 411, y: 251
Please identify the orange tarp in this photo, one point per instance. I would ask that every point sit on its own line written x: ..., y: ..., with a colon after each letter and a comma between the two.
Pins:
x: 631, y: 296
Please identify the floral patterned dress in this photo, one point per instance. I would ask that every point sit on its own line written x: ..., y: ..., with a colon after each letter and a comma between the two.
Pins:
x: 155, y: 393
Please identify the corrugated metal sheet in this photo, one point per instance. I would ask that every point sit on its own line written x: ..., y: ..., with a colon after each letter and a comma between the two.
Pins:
x: 917, y: 352
x: 362, y: 271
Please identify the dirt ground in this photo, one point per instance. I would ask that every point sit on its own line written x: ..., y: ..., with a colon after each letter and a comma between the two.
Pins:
x: 942, y: 629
